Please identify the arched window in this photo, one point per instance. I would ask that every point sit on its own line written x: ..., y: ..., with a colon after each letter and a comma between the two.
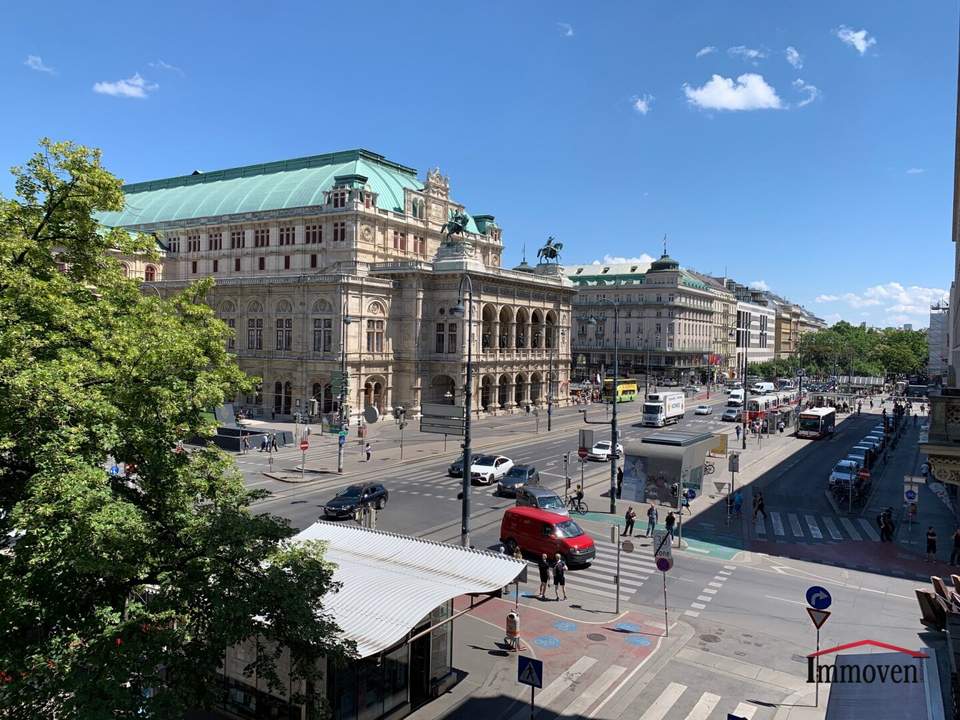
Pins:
x: 150, y: 273
x: 322, y: 313
x: 284, y: 326
x: 375, y: 330
x: 226, y: 312
x: 125, y: 269
x: 254, y: 327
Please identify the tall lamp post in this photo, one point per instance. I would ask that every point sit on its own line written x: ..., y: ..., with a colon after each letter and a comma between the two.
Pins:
x: 553, y: 348
x: 614, y: 434
x: 460, y: 311
x: 344, y: 323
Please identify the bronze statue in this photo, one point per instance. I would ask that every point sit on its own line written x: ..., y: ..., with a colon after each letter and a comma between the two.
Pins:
x: 456, y: 225
x: 550, y: 251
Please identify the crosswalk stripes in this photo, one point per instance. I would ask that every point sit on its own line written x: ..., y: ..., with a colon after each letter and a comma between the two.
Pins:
x: 664, y: 702
x: 814, y: 528
x: 795, y: 525
x: 867, y: 527
x: 777, y: 523
x: 704, y: 706
x: 850, y: 528
x: 745, y: 711
x: 832, y: 528
x: 594, y: 691
x: 669, y: 699
x: 568, y: 680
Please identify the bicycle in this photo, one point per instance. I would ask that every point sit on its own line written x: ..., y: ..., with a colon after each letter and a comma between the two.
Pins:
x: 708, y: 468
x: 578, y: 506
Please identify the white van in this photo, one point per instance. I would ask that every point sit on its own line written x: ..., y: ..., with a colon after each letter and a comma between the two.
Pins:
x: 735, y: 399
x: 762, y: 388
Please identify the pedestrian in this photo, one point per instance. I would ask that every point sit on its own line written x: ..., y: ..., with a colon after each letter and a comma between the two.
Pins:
x: 264, y: 443
x: 882, y: 524
x: 931, y: 544
x: 871, y: 403
x: 629, y: 517
x: 273, y: 443
x: 651, y: 520
x: 670, y: 522
x: 244, y: 445
x: 619, y: 481
x: 737, y: 430
x: 781, y: 426
x: 859, y: 407
x: 559, y: 578
x: 738, y: 503
x: 368, y: 451
x: 517, y: 553
x: 759, y: 506
x: 308, y: 431
x: 544, y: 569
x: 955, y: 555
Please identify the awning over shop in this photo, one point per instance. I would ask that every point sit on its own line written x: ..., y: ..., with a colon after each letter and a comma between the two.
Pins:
x: 391, y: 582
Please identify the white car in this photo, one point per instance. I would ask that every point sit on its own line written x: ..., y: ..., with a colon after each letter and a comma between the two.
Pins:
x: 601, y: 451
x: 703, y: 410
x: 487, y: 469
x: 845, y: 471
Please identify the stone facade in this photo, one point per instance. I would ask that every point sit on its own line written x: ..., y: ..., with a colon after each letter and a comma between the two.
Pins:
x: 346, y: 271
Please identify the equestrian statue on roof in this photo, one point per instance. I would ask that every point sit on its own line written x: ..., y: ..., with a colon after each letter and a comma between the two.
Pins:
x: 550, y: 251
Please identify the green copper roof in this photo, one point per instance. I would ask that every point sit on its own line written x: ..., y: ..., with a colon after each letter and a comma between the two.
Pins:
x: 258, y: 188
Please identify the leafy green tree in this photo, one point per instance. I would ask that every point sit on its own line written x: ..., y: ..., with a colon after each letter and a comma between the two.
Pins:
x: 120, y: 595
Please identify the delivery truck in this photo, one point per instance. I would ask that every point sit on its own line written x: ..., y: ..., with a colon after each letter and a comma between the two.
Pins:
x: 662, y: 409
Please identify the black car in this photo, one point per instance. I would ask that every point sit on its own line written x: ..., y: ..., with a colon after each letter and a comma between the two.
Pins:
x: 351, y: 498
x: 456, y: 468
x: 516, y: 478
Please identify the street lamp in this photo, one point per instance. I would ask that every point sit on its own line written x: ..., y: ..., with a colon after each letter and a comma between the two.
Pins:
x: 614, y: 434
x: 550, y: 390
x: 345, y: 321
x: 459, y: 311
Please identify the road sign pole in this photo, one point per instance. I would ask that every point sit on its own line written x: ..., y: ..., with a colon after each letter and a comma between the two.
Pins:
x: 402, y: 424
x: 303, y: 463
x: 533, y: 708
x: 666, y: 621
x: 615, y: 536
x: 816, y: 680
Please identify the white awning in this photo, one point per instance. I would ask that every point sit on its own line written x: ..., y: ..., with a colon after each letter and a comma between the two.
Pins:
x: 391, y: 582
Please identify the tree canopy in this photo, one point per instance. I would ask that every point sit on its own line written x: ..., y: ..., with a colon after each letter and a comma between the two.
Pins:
x: 844, y: 348
x: 120, y: 595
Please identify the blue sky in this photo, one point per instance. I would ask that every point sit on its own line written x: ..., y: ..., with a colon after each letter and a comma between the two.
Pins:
x: 824, y: 172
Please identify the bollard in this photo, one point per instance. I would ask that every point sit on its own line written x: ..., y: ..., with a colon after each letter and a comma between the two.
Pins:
x: 512, y: 638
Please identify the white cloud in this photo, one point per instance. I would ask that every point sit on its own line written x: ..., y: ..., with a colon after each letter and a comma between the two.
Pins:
x: 748, y: 54
x: 915, y: 171
x: 133, y: 87
x: 794, y: 57
x: 894, y: 303
x: 161, y: 65
x: 35, y: 62
x: 749, y: 92
x: 832, y: 318
x: 643, y: 260
x: 566, y: 29
x: 860, y: 40
x: 706, y: 51
x: 827, y: 298
x: 811, y: 91
x: 642, y: 103
x: 759, y: 285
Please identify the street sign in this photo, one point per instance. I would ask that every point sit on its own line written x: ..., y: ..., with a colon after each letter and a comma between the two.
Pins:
x: 662, y: 550
x: 664, y: 564
x: 585, y: 439
x: 371, y: 414
x: 733, y: 462
x: 442, y: 419
x: 818, y: 597
x: 304, y: 445
x: 819, y: 617
x: 342, y: 439
x: 909, y: 495
x: 720, y: 486
x: 582, y: 452
x: 627, y: 546
x: 530, y: 671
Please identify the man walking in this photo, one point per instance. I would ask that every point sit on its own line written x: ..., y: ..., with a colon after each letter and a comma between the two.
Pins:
x: 931, y: 544
x: 651, y: 520
x: 759, y: 506
x: 273, y: 443
x: 619, y: 482
x: 737, y: 430
x: 368, y: 451
x: 629, y: 517
x: 244, y: 445
x: 670, y: 522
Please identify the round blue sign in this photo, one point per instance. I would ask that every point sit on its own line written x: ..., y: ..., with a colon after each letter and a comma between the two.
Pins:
x: 690, y: 493
x: 818, y: 598
x: 910, y: 495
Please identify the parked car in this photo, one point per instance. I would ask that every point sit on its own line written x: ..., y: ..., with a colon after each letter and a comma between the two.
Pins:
x: 516, y: 478
x: 536, y: 532
x: 692, y: 389
x: 601, y: 451
x: 542, y: 499
x: 732, y: 415
x: 351, y: 498
x: 456, y: 468
x: 845, y: 471
x: 487, y: 469
x: 862, y: 455
x: 703, y: 410
x: 873, y: 443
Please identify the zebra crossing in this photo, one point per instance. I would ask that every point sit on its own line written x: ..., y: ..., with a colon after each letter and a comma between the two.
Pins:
x: 598, y: 578
x: 807, y: 527
x: 578, y: 689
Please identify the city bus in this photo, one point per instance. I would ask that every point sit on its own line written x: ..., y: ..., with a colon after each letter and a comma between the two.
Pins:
x: 816, y: 422
x: 626, y: 390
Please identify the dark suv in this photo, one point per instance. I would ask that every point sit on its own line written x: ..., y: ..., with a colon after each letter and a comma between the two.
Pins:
x: 346, y: 502
x: 517, y: 477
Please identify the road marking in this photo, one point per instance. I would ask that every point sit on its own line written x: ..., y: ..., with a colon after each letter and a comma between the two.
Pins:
x: 777, y: 523
x: 774, y: 597
x: 759, y: 527
x: 719, y: 578
x: 665, y: 702
x: 691, y: 613
x: 868, y: 529
x: 832, y: 528
x: 698, y: 550
x: 814, y: 528
x: 850, y: 528
x: 698, y: 606
x: 724, y: 572
x: 745, y: 711
x: 729, y: 567
x: 711, y: 591
x: 570, y: 677
x: 795, y: 525
x: 594, y: 691
x: 704, y: 598
x: 715, y: 584
x: 704, y: 706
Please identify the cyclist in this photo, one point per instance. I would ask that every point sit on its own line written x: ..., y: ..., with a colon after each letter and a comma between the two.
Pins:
x: 578, y: 495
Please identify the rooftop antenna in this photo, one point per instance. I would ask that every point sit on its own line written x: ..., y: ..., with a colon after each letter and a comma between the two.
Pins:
x: 524, y: 253
x: 664, y: 244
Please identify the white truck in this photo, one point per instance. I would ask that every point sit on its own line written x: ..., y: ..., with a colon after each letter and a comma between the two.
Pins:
x: 662, y: 409
x: 762, y: 388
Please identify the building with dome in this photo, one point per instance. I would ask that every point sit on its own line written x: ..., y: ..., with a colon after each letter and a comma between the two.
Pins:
x: 342, y: 258
x: 676, y: 323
